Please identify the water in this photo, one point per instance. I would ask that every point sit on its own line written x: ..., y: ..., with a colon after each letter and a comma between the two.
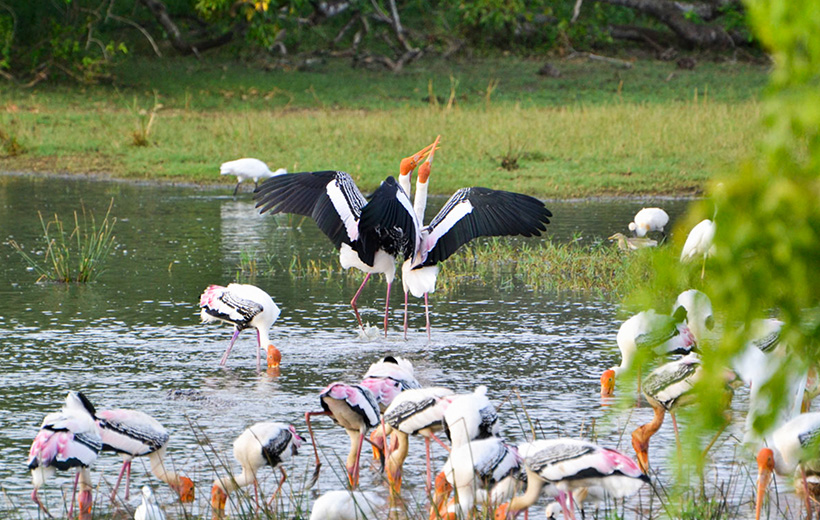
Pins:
x: 133, y: 338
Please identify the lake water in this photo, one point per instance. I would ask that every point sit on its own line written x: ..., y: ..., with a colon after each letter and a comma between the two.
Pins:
x: 133, y: 339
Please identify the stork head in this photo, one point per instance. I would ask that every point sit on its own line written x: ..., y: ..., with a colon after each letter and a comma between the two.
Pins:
x: 503, y: 512
x: 608, y: 383
x: 218, y: 500
x: 185, y: 489
x: 424, y: 169
x: 274, y: 357
x: 408, y: 164
x: 640, y: 443
x: 440, y: 495
x: 765, y: 467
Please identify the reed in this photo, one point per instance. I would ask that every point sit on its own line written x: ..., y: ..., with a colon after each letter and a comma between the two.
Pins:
x: 75, y: 254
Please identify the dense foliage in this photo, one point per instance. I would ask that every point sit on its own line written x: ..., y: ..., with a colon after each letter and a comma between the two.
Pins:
x: 79, y: 38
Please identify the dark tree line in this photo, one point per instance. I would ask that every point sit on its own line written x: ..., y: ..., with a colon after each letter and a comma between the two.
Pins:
x: 80, y: 38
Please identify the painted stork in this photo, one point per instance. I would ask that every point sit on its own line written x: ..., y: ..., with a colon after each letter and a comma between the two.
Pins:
x: 699, y: 315
x: 348, y: 505
x: 248, y: 168
x: 333, y: 200
x: 699, y: 243
x: 793, y: 446
x: 413, y: 412
x: 148, y: 509
x: 649, y: 219
x: 244, y: 306
x: 468, y: 214
x: 570, y: 464
x: 470, y: 417
x: 626, y: 243
x: 484, y: 471
x: 354, y: 408
x: 665, y: 388
x: 648, y: 330
x: 67, y: 439
x: 388, y: 377
x: 263, y: 444
x: 132, y: 433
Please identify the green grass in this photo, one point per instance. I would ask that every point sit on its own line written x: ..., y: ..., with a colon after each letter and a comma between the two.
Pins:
x: 596, y: 130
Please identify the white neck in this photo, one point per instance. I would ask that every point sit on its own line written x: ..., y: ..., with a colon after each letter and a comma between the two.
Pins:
x: 263, y: 337
x: 231, y: 483
x: 420, y: 201
x: 159, y: 470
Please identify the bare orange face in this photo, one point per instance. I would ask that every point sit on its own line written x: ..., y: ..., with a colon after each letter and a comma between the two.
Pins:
x: 608, y: 383
x: 186, y: 490
x: 765, y: 467
x: 502, y: 511
x: 408, y: 164
x: 274, y: 357
x: 218, y: 500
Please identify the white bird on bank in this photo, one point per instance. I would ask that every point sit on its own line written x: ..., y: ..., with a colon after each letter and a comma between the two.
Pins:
x: 244, y: 306
x: 149, y: 509
x: 248, y: 168
x: 699, y: 243
x: 348, y: 505
x: 649, y: 219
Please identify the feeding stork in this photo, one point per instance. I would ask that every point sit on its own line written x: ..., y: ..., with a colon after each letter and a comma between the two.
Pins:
x: 248, y: 168
x: 647, y: 220
x: 469, y: 213
x: 263, y: 444
x: 413, y: 412
x: 569, y: 464
x: 354, y: 408
x: 470, y: 417
x: 648, y: 330
x: 68, y: 439
x: 244, y: 306
x: 132, y: 433
x: 699, y: 243
x: 354, y: 225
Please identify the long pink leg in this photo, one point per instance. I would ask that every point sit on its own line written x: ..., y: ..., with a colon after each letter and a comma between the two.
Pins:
x: 279, y: 487
x: 427, y: 315
x: 427, y: 483
x: 387, y: 308
x: 127, y: 479
x: 228, y: 351
x: 440, y: 442
x: 42, y: 506
x: 356, y: 297
x: 315, y: 449
x: 806, y: 490
x: 405, y: 314
x: 258, y: 350
x: 677, y: 435
x: 73, y: 492
x: 119, y: 478
x: 355, y: 473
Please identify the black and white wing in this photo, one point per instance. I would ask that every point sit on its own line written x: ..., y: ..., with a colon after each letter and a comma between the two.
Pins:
x: 331, y: 198
x: 480, y: 212
x: 389, y: 223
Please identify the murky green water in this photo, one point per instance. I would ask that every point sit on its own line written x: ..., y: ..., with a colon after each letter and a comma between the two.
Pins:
x: 133, y: 338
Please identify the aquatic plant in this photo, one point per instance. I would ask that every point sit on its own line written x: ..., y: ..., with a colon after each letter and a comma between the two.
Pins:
x: 75, y: 255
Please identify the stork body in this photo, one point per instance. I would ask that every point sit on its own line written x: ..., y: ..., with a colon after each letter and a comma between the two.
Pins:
x: 413, y: 412
x: 263, y: 444
x: 570, y: 464
x: 700, y: 318
x: 248, y: 168
x: 699, y: 243
x: 354, y: 408
x: 67, y: 440
x: 132, y: 433
x: 470, y: 417
x: 348, y: 505
x: 244, y: 306
x: 665, y: 388
x: 483, y: 472
x: 388, y: 377
x: 663, y: 334
x: 648, y: 220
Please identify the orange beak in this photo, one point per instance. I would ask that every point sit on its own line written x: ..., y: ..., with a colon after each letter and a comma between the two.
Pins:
x: 502, y: 512
x: 218, y: 500
x: 408, y: 164
x: 641, y: 447
x: 85, y: 503
x: 441, y: 493
x: 608, y: 383
x: 274, y: 357
x: 765, y: 467
x: 186, y: 490
x: 424, y: 169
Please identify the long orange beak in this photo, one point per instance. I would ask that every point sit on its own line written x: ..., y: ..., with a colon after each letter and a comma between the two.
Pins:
x: 408, y: 164
x: 441, y: 493
x: 502, y: 513
x: 424, y: 169
x: 765, y: 466
x: 85, y: 503
x: 608, y: 383
x: 641, y: 447
x: 218, y: 500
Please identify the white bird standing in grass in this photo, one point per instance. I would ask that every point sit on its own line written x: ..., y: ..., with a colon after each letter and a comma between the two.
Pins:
x: 248, y: 168
x: 148, y: 510
x: 649, y: 219
x: 244, y: 306
x: 699, y: 243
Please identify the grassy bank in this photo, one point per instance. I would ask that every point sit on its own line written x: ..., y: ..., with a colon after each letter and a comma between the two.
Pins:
x: 594, y: 130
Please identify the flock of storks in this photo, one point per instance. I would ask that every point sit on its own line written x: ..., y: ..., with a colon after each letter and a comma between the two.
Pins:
x: 483, y: 471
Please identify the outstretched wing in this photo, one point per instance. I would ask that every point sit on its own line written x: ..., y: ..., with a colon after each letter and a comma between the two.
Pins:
x: 331, y: 198
x: 481, y: 212
x: 388, y: 222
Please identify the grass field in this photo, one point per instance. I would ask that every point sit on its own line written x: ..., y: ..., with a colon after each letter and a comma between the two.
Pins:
x: 598, y: 129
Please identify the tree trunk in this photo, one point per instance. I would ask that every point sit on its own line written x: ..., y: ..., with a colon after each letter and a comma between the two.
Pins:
x: 160, y: 12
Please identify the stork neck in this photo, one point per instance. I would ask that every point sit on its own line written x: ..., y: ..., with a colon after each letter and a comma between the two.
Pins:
x: 231, y: 483
x: 263, y: 337
x: 420, y: 200
x: 530, y: 496
x: 157, y: 460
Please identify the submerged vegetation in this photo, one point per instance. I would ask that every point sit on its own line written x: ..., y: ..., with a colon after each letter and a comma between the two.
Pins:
x: 75, y: 254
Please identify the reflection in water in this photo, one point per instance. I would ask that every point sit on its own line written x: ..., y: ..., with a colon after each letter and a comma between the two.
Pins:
x: 133, y: 339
